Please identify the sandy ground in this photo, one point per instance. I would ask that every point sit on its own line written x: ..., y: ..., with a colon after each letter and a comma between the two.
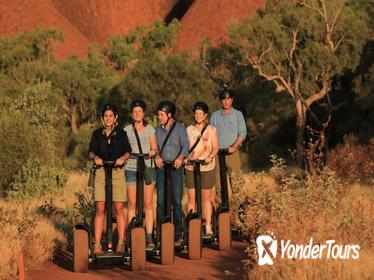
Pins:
x: 213, y: 265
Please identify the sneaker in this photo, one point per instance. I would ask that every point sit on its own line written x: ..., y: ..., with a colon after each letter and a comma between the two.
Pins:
x: 178, y: 241
x: 97, y: 249
x: 120, y: 247
x: 208, y: 231
x: 150, y: 244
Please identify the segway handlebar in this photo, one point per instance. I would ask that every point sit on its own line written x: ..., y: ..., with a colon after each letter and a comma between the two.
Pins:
x: 138, y: 155
x: 168, y: 162
x: 194, y: 161
x: 108, y: 164
x: 224, y: 151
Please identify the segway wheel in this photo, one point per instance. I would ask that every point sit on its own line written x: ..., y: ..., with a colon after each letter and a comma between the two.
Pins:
x: 224, y: 231
x: 138, y: 257
x: 167, y: 243
x: 81, y: 251
x: 194, y: 239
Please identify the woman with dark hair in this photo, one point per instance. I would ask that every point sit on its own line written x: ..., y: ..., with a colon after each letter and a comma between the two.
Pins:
x: 203, y: 141
x: 148, y: 145
x: 109, y: 143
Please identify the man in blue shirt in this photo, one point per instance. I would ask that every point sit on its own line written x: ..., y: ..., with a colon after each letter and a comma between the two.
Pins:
x: 232, y: 131
x: 175, y: 149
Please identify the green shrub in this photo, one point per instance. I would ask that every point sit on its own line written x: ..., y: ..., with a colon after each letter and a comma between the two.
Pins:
x: 35, y: 180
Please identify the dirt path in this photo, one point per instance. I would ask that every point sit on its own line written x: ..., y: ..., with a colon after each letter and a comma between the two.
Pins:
x: 213, y: 265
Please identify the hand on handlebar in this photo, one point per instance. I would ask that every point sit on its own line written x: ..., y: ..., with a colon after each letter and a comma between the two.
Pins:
x: 178, y: 163
x: 98, y: 161
x: 208, y: 159
x: 152, y: 153
x: 120, y: 161
x: 159, y: 162
x: 231, y: 150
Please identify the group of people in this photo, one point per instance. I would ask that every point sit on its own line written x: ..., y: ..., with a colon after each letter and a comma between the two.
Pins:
x: 170, y: 142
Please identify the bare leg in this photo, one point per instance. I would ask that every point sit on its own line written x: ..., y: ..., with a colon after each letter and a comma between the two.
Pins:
x: 148, y: 206
x: 99, y: 220
x: 120, y: 217
x: 191, y: 200
x: 131, y: 202
x: 207, y: 206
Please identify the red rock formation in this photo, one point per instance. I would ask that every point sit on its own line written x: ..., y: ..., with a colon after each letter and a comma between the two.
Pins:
x: 212, y: 18
x: 22, y: 15
x: 81, y: 21
x: 99, y: 19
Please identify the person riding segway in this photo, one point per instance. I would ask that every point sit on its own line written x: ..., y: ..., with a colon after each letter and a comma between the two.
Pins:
x: 232, y: 131
x: 173, y: 148
x: 200, y: 179
x: 109, y: 149
x: 140, y: 181
x: 142, y: 139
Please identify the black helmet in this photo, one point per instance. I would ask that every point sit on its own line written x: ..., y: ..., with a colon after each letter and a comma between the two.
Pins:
x: 200, y: 105
x: 167, y: 107
x: 138, y: 103
x: 109, y: 106
x: 225, y: 92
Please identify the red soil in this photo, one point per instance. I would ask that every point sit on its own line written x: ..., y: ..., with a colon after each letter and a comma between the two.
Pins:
x: 212, y: 18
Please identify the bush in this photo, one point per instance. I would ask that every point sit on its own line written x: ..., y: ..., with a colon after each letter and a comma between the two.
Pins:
x: 352, y: 161
x: 297, y: 208
x: 35, y: 180
x: 29, y: 138
x: 24, y: 231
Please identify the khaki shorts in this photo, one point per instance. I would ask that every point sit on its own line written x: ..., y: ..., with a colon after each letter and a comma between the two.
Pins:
x: 118, y: 185
x: 233, y: 165
x: 207, y: 179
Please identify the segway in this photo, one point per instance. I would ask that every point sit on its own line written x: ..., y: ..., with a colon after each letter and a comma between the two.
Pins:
x: 83, y: 240
x: 165, y: 226
x: 221, y: 215
x: 193, y: 223
x: 136, y: 247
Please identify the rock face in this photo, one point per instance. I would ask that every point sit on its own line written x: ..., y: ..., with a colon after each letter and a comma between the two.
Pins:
x: 212, y: 18
x: 85, y: 21
x: 81, y: 21
x: 99, y: 19
x: 22, y: 15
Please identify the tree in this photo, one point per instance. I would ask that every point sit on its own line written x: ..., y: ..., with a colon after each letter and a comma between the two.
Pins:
x: 301, y: 46
x: 81, y: 84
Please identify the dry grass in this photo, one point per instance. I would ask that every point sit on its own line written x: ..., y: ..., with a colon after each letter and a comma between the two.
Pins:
x: 297, y: 209
x: 25, y: 228
x: 291, y: 207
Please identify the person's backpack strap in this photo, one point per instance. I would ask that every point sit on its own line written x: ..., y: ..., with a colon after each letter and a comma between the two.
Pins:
x: 137, y: 139
x: 166, y: 138
x: 198, y: 140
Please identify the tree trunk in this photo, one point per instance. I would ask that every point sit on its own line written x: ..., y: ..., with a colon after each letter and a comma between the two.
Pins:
x: 300, y: 129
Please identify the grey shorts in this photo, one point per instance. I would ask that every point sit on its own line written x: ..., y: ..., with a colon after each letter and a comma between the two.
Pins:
x: 207, y: 179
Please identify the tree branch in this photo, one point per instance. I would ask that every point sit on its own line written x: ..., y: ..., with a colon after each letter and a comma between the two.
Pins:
x: 318, y: 95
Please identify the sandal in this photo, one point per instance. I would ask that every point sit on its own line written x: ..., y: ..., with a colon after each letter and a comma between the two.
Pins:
x: 97, y: 249
x: 120, y: 247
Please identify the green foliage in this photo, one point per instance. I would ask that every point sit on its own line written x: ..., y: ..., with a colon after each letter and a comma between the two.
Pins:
x: 177, y: 78
x: 80, y: 84
x: 35, y: 179
x: 124, y: 51
x: 289, y: 40
x: 27, y: 47
x: 29, y: 137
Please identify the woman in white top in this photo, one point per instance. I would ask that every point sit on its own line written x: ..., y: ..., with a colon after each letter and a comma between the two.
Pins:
x: 203, y: 139
x: 148, y: 144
